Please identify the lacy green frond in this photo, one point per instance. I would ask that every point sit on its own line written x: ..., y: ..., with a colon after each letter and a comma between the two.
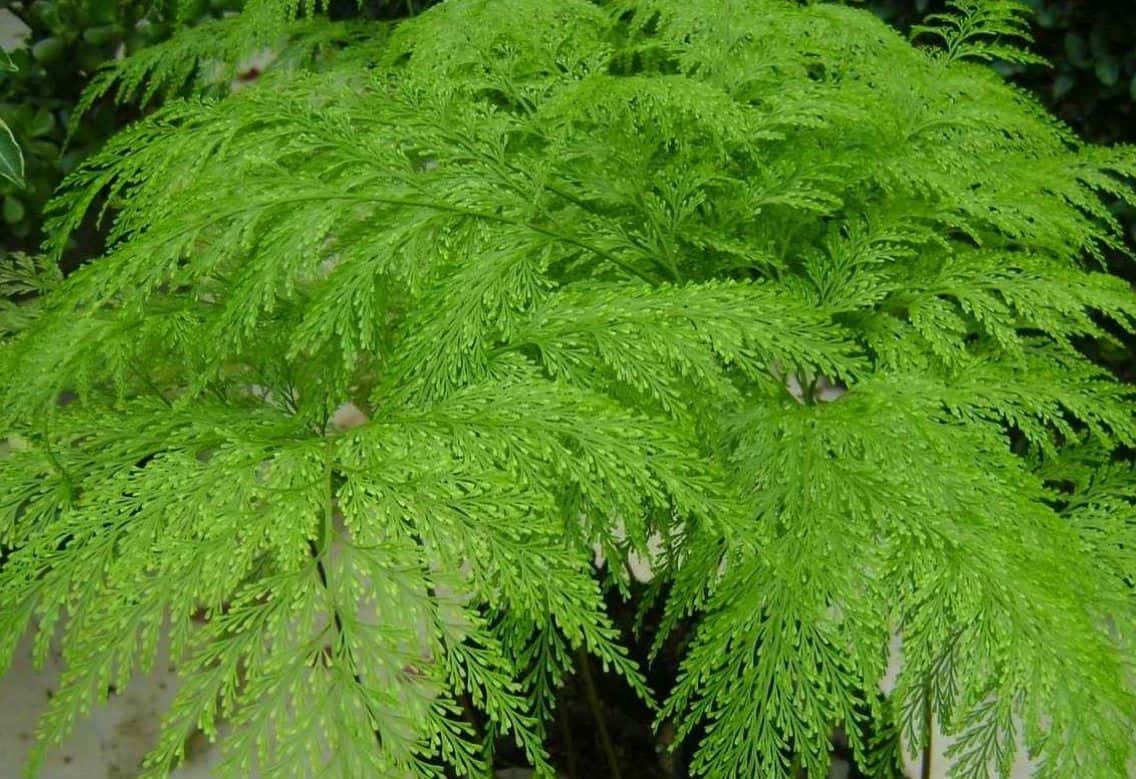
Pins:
x: 387, y: 346
x: 982, y: 29
x: 207, y: 58
x: 24, y: 280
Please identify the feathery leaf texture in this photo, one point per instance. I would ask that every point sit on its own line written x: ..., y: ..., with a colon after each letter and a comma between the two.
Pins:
x: 587, y: 270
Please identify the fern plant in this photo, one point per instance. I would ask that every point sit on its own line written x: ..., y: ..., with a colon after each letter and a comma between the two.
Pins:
x: 759, y: 290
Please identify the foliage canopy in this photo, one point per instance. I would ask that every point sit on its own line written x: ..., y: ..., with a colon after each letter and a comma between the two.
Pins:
x: 591, y: 271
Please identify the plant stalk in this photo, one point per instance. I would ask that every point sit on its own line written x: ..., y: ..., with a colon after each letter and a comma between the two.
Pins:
x: 928, y: 725
x: 597, y: 714
x: 569, y: 746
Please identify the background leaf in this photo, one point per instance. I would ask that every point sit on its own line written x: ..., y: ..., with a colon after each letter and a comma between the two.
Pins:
x: 11, y: 158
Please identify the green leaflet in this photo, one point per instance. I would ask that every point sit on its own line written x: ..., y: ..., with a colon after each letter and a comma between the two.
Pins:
x: 11, y: 158
x: 755, y: 288
x: 982, y: 29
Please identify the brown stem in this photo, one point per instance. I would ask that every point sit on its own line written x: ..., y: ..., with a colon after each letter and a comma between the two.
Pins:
x: 668, y: 761
x: 471, y: 717
x: 928, y: 724
x: 597, y: 714
x: 569, y: 748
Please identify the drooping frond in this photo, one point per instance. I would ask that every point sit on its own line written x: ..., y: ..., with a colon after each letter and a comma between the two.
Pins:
x: 24, y: 280
x: 751, y: 287
x: 207, y: 58
x: 982, y: 30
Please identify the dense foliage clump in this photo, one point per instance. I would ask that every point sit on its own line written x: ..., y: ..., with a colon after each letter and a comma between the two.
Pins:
x: 761, y: 292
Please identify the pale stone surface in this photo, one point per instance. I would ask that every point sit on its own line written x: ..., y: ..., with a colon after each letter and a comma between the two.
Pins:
x: 113, y: 740
x: 940, y: 764
x: 109, y: 744
x: 13, y: 31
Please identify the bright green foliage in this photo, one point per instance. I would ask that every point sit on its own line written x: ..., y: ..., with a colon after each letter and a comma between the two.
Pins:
x: 978, y: 29
x: 574, y: 261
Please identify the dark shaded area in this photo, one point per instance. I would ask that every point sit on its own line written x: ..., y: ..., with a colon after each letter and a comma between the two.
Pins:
x: 642, y: 751
x: 67, y: 42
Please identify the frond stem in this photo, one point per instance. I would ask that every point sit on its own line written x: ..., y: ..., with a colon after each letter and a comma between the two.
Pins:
x: 318, y: 550
x: 501, y: 219
x: 569, y: 746
x: 437, y: 206
x: 56, y: 464
x: 597, y: 714
x: 928, y: 724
